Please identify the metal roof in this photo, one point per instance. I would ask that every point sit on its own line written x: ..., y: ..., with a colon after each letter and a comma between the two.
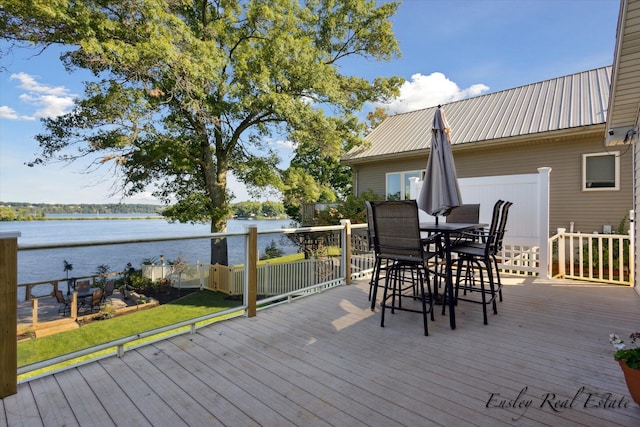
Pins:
x: 567, y: 102
x: 624, y: 104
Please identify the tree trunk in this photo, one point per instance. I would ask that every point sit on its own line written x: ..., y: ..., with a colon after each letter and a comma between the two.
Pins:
x: 215, y: 176
x: 219, y: 252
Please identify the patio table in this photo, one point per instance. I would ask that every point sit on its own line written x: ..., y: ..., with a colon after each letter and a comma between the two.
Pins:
x: 83, y: 294
x: 446, y: 230
x: 86, y: 292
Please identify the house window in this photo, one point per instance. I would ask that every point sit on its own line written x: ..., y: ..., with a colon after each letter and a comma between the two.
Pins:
x: 399, y: 186
x: 601, y: 171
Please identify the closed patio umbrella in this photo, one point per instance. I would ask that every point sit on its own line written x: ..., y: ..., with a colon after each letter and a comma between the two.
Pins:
x: 440, y: 192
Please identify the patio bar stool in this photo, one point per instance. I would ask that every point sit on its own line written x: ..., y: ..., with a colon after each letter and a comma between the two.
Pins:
x: 381, y: 264
x: 477, y: 259
x: 398, y: 242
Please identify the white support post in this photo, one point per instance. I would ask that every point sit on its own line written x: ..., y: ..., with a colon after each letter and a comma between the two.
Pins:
x: 562, y: 261
x: 632, y: 248
x: 346, y: 250
x: 250, y: 271
x: 543, y: 225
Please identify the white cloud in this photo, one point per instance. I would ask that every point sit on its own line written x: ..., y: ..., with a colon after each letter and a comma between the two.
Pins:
x: 48, y: 101
x: 144, y: 197
x: 10, y: 113
x: 285, y: 144
x: 28, y: 83
x: 427, y: 91
x: 53, y: 106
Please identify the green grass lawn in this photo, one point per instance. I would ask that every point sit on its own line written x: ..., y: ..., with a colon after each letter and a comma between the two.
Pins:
x: 194, y: 305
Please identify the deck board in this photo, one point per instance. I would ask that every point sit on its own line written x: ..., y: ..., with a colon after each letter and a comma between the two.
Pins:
x: 199, y: 390
x: 325, y: 360
x: 331, y: 389
x: 207, y: 368
x: 173, y: 396
x: 113, y: 399
x: 409, y: 374
x: 48, y: 395
x: 21, y: 409
x: 79, y: 395
x: 399, y: 384
x: 281, y: 377
x: 280, y: 405
x: 153, y: 406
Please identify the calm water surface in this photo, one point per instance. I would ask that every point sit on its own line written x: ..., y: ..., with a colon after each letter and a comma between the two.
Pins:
x: 43, y: 265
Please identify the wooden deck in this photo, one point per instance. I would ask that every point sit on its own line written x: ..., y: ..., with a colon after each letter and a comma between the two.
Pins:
x: 325, y: 361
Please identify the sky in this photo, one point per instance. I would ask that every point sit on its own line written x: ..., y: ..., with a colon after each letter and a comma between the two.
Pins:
x: 451, y: 50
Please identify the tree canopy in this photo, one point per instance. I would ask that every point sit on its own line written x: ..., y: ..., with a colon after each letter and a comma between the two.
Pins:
x: 187, y: 91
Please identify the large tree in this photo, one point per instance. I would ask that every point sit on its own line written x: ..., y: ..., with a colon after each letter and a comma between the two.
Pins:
x: 187, y: 91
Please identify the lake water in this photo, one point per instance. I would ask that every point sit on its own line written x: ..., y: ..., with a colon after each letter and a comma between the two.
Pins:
x: 44, y: 265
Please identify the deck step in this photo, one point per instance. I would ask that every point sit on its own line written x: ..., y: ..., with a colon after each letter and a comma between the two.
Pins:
x: 55, y: 326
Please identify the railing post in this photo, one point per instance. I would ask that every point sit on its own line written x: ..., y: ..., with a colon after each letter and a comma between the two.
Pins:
x: 251, y: 271
x: 543, y: 225
x: 346, y: 250
x: 267, y: 279
x: 213, y: 278
x: 8, y: 313
x: 200, y: 268
x: 74, y: 306
x: 34, y: 313
x: 562, y: 262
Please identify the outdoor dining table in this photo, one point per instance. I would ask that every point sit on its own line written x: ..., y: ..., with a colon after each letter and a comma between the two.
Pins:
x: 445, y: 230
x: 83, y: 293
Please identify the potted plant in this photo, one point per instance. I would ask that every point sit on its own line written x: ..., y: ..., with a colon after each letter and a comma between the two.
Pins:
x: 629, y: 359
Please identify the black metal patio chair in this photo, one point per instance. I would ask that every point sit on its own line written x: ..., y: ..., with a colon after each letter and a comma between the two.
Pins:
x: 399, y: 244
x: 379, y: 264
x: 468, y: 213
x: 475, y: 259
x: 94, y: 302
x: 65, y: 303
x: 109, y: 287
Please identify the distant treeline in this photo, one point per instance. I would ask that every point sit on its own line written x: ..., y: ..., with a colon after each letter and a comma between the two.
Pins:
x: 21, y: 211
x: 84, y: 208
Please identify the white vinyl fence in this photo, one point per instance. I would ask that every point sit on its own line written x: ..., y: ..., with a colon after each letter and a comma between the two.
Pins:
x: 273, y: 279
x: 277, y: 279
x: 189, y: 276
x: 526, y: 239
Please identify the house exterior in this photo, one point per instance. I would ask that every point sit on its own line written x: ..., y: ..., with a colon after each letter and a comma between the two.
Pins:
x: 558, y: 123
x: 624, y: 102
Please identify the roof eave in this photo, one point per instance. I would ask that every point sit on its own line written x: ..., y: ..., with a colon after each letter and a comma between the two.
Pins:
x: 550, y: 136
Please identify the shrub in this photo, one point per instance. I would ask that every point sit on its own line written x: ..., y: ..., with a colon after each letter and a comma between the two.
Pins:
x: 102, y: 270
x: 352, y: 208
x: 272, y: 251
x: 138, y: 282
x: 621, y: 229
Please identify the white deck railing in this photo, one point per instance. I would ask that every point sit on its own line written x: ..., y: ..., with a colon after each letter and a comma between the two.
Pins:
x: 324, y: 276
x: 604, y: 258
x: 607, y: 258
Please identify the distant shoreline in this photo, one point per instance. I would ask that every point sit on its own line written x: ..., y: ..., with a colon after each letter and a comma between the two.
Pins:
x: 121, y: 218
x: 101, y: 218
x: 83, y: 218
